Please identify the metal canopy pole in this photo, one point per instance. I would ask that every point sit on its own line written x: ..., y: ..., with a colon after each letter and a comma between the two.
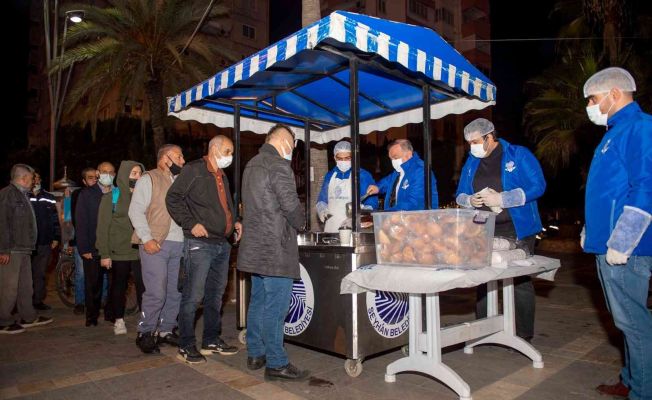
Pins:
x: 355, y: 143
x: 236, y: 159
x: 306, y: 142
x: 427, y: 150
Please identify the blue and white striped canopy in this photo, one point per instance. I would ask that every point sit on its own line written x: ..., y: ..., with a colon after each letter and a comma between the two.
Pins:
x: 306, y: 76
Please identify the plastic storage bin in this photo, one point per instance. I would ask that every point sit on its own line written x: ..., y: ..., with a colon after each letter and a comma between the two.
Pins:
x: 453, y: 237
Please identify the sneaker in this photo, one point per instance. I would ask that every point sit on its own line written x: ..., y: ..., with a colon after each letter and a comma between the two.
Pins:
x: 170, y: 338
x: 219, y: 347
x: 191, y: 355
x: 147, y: 342
x: 119, y: 327
x: 79, y: 309
x: 42, y: 307
x: 37, y: 322
x: 11, y: 329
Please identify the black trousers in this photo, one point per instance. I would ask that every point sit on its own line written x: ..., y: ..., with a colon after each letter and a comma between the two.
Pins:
x: 40, y: 262
x: 120, y: 272
x: 93, y: 279
x: 524, y: 298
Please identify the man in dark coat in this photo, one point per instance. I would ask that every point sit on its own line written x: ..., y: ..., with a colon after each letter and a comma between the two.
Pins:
x: 269, y: 251
x: 47, y: 239
x: 200, y: 202
x: 17, y: 241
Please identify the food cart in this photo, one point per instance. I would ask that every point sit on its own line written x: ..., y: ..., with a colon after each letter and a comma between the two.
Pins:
x: 344, y: 76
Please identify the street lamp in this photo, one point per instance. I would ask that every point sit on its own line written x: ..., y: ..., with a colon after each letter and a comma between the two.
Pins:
x: 54, y: 53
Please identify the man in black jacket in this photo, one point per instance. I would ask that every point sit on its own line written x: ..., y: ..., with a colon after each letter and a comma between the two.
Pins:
x: 17, y: 241
x: 200, y: 202
x: 86, y: 209
x: 269, y: 251
x: 48, y: 238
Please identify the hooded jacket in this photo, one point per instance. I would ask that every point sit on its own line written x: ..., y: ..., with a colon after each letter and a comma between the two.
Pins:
x: 114, y: 229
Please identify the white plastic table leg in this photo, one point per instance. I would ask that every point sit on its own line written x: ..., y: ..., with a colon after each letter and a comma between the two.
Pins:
x: 507, y: 337
x: 492, y: 308
x: 429, y: 361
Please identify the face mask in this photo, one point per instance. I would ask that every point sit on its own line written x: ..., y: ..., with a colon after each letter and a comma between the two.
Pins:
x: 174, y: 168
x: 289, y: 155
x: 223, y: 161
x: 132, y: 183
x: 596, y: 116
x: 396, y: 163
x: 343, y: 165
x: 37, y: 187
x: 478, y: 150
x: 106, y: 180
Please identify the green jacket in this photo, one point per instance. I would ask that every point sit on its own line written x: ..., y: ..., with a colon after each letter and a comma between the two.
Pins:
x: 114, y: 228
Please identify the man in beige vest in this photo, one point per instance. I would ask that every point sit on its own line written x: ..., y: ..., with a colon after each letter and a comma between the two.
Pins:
x: 160, y: 242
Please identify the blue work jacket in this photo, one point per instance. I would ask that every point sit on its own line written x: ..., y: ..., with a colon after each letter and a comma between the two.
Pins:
x: 520, y: 170
x: 620, y: 175
x: 365, y: 180
x: 411, y: 192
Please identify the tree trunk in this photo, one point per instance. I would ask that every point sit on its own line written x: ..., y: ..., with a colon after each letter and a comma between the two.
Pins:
x: 156, y: 102
x: 311, y: 12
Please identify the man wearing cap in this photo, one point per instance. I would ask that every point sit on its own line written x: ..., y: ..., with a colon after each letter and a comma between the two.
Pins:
x: 506, y: 179
x: 404, y: 188
x: 336, y: 189
x: 618, y: 213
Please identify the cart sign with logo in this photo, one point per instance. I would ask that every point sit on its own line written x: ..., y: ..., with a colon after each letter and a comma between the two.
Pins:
x: 388, y: 313
x: 302, y: 305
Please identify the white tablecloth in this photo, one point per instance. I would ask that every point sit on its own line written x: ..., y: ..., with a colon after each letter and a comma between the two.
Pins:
x: 419, y: 279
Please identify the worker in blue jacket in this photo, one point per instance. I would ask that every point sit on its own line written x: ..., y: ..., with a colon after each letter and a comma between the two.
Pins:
x: 506, y: 179
x: 618, y: 213
x: 336, y: 190
x: 404, y: 188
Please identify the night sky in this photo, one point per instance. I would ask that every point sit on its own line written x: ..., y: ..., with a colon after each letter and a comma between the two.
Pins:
x: 513, y: 62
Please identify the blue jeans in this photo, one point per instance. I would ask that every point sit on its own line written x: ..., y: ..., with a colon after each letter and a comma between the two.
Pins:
x: 626, y: 289
x: 207, y: 272
x: 79, y: 281
x: 268, y: 307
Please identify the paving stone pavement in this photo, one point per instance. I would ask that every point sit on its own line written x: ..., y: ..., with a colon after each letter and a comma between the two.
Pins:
x: 580, y: 346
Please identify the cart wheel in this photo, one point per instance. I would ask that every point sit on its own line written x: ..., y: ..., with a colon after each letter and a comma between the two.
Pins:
x: 242, y: 336
x: 353, y: 368
x: 405, y: 350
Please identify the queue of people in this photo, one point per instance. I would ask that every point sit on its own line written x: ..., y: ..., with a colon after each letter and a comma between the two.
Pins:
x: 173, y: 228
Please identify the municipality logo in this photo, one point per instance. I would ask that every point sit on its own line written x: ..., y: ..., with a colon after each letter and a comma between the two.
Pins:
x: 388, y: 313
x: 302, y: 305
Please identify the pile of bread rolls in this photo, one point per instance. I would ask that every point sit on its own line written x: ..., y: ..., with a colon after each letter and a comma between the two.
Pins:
x: 443, y: 237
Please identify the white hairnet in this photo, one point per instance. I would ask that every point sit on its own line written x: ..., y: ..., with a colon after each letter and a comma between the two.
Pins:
x: 607, y: 79
x: 342, y: 147
x: 478, y: 128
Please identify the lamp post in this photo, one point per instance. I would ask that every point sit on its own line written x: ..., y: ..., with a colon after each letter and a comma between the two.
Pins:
x: 53, y: 53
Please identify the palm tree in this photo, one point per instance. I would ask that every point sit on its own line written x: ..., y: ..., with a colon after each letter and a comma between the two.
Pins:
x: 554, y: 115
x: 143, y: 49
